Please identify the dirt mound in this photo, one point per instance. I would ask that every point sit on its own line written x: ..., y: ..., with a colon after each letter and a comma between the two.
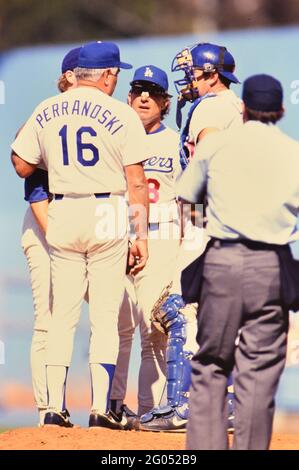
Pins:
x: 52, y: 437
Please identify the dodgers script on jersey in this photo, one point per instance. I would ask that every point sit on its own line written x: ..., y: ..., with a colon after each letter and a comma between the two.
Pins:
x: 161, y: 170
x: 221, y: 111
x: 88, y: 154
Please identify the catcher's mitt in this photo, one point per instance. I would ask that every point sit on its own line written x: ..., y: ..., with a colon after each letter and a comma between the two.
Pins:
x: 156, y: 308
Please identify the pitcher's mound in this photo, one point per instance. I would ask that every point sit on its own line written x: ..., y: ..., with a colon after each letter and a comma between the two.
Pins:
x: 54, y: 437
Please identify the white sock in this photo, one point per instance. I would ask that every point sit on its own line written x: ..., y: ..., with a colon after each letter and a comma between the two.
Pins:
x: 100, y: 383
x: 41, y: 416
x: 56, y: 380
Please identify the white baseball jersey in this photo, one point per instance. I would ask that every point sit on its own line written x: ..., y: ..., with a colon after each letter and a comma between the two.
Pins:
x: 161, y: 170
x: 88, y: 154
x: 220, y: 111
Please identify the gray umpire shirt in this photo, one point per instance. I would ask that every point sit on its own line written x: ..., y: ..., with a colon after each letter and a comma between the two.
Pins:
x: 251, y: 175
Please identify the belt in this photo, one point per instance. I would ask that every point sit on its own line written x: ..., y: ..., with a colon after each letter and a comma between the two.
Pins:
x: 58, y: 197
x: 251, y: 244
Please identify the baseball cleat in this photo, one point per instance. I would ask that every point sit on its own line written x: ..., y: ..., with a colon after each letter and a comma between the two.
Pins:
x: 125, y: 416
x: 133, y: 420
x: 109, y: 420
x: 58, y: 418
x: 170, y: 422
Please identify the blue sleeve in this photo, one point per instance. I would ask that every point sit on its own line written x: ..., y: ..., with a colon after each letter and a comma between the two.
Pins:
x: 37, y: 186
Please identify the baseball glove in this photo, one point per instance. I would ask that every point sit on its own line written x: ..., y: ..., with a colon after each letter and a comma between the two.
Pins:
x: 155, y: 312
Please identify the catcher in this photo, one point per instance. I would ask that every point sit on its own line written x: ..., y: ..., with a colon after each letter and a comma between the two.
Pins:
x: 209, y: 71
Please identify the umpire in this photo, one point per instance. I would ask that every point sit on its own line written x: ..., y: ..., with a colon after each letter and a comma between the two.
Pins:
x: 250, y: 176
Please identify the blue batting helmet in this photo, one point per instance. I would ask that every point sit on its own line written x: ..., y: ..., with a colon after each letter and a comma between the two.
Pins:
x: 206, y: 57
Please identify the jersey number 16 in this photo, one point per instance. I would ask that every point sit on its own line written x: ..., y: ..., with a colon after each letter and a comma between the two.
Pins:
x: 81, y: 146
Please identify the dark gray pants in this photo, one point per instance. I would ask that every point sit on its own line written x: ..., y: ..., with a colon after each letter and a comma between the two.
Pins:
x: 240, y: 290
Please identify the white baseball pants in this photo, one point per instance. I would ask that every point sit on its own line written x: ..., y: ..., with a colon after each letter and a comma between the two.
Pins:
x: 36, y: 251
x: 148, y: 284
x: 81, y: 257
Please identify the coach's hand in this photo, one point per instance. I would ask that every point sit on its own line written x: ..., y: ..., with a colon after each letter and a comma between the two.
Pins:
x: 138, y: 256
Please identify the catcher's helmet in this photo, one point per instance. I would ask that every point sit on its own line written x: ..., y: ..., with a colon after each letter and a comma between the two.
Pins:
x: 204, y: 56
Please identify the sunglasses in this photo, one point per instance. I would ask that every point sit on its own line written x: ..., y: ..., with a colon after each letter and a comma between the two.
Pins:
x: 151, y: 89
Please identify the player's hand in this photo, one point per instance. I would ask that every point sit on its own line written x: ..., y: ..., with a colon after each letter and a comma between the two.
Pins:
x: 138, y: 256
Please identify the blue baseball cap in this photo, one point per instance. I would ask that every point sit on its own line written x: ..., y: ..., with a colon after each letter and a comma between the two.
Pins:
x: 263, y: 93
x: 101, y: 55
x: 151, y: 74
x: 70, y: 60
